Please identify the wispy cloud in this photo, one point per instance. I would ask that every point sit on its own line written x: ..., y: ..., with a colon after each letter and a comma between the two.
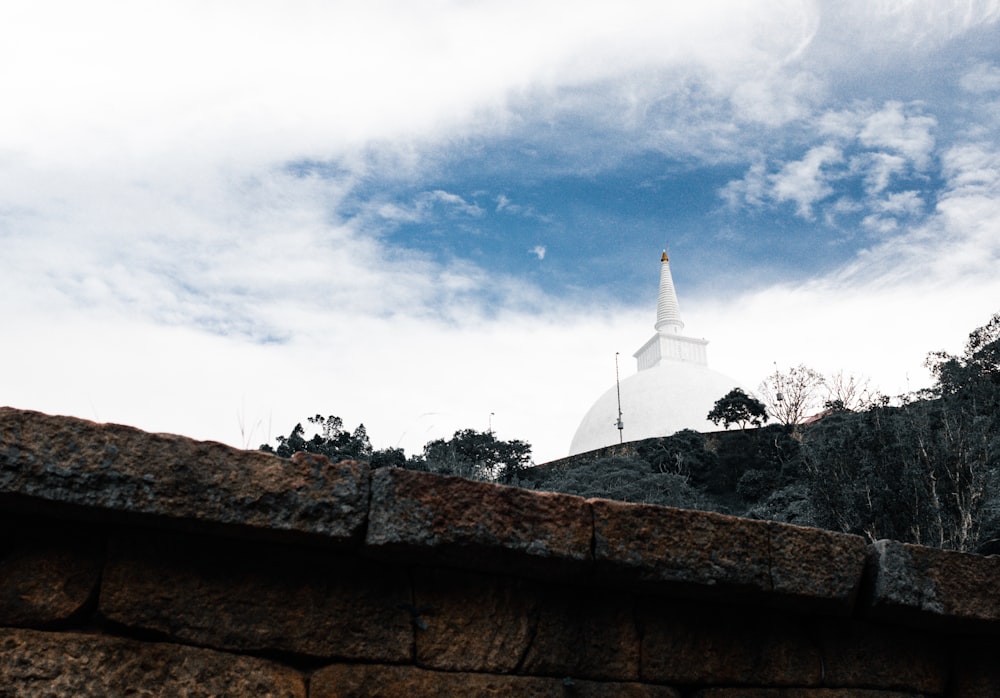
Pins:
x: 805, y: 182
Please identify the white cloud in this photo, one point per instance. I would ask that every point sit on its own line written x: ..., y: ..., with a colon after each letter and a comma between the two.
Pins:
x: 982, y: 78
x: 806, y: 181
x: 880, y: 225
x: 456, y: 202
x: 908, y: 135
x: 878, y: 170
x: 875, y: 147
x: 904, y: 203
x: 538, y: 251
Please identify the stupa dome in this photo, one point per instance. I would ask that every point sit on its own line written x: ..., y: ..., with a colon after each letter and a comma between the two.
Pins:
x: 674, y: 388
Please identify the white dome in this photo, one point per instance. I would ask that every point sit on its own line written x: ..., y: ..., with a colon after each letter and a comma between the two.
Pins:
x: 658, y: 401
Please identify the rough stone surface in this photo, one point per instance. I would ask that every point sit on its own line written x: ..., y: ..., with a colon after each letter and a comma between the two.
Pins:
x: 701, y: 644
x: 911, y: 582
x: 255, y: 598
x: 703, y: 552
x: 467, y: 523
x: 70, y: 665
x: 814, y: 569
x: 120, y: 469
x: 47, y: 577
x: 458, y: 588
x: 364, y: 681
x: 473, y: 622
x: 585, y: 632
x: 862, y: 654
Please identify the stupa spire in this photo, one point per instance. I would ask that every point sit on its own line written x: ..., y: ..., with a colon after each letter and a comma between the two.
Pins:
x: 668, y: 311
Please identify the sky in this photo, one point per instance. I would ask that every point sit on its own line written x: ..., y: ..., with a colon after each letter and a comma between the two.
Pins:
x: 220, y: 218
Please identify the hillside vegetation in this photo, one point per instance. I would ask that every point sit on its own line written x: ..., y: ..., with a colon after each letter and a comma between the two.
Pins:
x: 925, y: 469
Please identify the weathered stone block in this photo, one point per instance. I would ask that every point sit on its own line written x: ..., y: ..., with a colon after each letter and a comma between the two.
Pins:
x: 921, y: 585
x: 116, y: 469
x: 258, y: 598
x: 585, y: 632
x: 701, y: 552
x: 48, y: 576
x: 58, y: 665
x: 711, y: 645
x: 473, y: 622
x: 476, y: 524
x: 815, y: 570
x: 375, y: 681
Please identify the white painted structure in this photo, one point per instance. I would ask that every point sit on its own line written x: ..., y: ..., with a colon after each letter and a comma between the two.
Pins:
x: 673, y: 389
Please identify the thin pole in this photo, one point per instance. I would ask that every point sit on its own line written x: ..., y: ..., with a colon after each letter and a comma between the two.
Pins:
x: 618, y: 386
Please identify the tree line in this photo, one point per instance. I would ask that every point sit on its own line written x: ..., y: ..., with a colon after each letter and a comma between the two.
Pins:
x: 922, y: 468
x: 468, y: 453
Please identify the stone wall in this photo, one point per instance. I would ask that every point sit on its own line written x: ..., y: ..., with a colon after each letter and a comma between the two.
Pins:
x: 147, y: 564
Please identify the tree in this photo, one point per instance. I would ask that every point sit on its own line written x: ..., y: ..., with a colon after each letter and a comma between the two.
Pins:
x: 792, y: 395
x: 736, y: 407
x: 476, y: 454
x: 962, y: 448
x: 925, y: 472
x: 850, y: 392
x: 332, y: 441
x: 388, y: 458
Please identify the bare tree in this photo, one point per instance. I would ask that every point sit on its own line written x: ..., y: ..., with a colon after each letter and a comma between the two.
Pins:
x: 792, y: 395
x: 849, y: 392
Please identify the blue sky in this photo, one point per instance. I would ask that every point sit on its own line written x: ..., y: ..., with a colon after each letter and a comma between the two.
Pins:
x: 218, y: 219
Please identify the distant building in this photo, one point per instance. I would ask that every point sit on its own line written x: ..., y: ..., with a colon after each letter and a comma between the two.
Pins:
x: 673, y: 389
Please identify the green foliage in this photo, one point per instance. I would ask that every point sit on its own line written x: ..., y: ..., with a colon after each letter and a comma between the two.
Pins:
x: 790, y: 504
x: 736, y: 407
x: 388, y: 458
x: 468, y: 453
x: 754, y: 485
x: 477, y: 455
x: 625, y: 479
x: 926, y: 472
x: 685, y: 453
x: 332, y: 441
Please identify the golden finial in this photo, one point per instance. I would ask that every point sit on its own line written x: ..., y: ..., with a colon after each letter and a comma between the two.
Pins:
x: 664, y: 258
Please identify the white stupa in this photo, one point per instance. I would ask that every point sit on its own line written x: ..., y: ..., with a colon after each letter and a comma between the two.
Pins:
x: 673, y: 389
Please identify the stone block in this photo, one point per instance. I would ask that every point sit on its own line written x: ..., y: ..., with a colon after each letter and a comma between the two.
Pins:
x: 815, y: 570
x: 473, y: 622
x: 702, y: 644
x: 109, y: 469
x: 255, y: 598
x: 48, y: 577
x: 70, y: 665
x: 927, y: 586
x: 708, y: 555
x: 466, y: 523
x: 588, y: 633
x: 697, y: 552
x: 375, y: 681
